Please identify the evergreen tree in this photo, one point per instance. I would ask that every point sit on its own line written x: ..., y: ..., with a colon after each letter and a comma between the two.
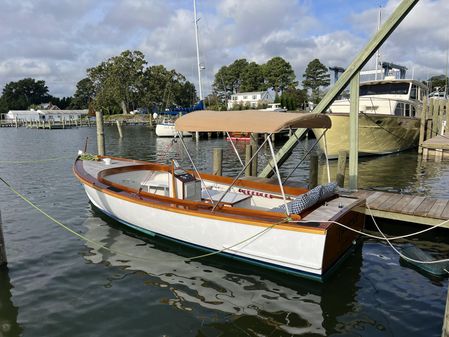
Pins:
x: 315, y: 76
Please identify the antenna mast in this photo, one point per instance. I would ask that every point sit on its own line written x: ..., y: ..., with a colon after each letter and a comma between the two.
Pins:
x: 379, y: 19
x: 200, y: 87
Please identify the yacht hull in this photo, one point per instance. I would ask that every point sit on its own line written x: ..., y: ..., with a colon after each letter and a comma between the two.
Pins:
x: 378, y: 134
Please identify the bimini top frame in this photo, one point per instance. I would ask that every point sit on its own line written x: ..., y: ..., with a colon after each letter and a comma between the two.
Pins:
x: 255, y: 121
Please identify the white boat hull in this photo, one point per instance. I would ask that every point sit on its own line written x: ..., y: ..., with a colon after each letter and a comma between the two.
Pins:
x: 168, y: 130
x: 287, y: 249
x: 378, y: 134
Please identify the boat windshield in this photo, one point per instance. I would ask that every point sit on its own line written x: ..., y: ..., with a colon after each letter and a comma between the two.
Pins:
x: 384, y: 89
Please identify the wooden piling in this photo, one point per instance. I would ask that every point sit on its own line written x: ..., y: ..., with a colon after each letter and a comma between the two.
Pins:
x: 447, y: 115
x: 119, y: 128
x: 217, y: 168
x: 429, y: 125
x: 341, y: 168
x: 446, y: 319
x: 422, y: 128
x: 248, y: 155
x: 3, y: 260
x: 313, y: 173
x: 254, y: 162
x: 100, y: 133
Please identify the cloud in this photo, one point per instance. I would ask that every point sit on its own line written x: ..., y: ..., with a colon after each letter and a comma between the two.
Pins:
x: 57, y: 41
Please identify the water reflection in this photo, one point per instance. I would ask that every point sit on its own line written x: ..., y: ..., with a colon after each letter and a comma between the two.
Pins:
x: 251, y: 298
x: 403, y: 172
x: 8, y: 312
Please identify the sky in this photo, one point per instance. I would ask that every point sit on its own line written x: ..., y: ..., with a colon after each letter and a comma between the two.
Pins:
x: 57, y: 40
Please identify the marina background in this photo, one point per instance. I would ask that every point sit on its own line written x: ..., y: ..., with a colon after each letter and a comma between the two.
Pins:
x: 57, y: 285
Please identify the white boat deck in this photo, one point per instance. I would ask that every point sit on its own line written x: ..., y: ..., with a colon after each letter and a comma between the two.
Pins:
x: 94, y: 167
x: 330, y: 209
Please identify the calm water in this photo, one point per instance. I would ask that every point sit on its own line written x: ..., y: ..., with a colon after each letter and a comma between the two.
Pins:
x: 58, y: 285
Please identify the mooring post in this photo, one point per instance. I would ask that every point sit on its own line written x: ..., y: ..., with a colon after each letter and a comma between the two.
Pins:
x: 217, y: 167
x: 254, y: 162
x: 100, y: 133
x: 313, y: 172
x: 119, y: 128
x: 3, y: 260
x: 429, y: 126
x: 422, y: 128
x: 354, y: 131
x: 446, y: 319
x: 341, y: 168
x: 447, y: 115
x: 248, y: 155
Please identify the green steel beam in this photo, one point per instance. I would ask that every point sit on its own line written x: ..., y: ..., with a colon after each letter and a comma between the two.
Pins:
x: 354, y: 68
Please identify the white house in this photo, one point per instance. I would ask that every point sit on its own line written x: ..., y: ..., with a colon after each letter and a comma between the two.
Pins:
x: 45, y: 115
x: 251, y: 99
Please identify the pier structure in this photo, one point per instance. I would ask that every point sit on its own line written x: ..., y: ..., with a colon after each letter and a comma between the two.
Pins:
x: 434, y: 137
x: 348, y: 76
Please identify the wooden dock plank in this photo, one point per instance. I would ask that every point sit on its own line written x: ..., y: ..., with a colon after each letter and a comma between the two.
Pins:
x: 402, y: 203
x: 424, y: 207
x: 379, y: 200
x: 445, y: 213
x: 413, y: 205
x: 392, y: 200
x: 437, y: 208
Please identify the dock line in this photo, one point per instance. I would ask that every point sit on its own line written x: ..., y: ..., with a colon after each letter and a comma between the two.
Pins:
x: 33, y: 160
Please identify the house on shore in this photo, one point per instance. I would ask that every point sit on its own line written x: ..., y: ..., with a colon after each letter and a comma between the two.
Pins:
x: 54, y: 115
x: 250, y: 100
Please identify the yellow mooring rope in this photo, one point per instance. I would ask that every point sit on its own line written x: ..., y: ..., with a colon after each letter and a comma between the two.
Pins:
x: 100, y: 245
x: 30, y: 161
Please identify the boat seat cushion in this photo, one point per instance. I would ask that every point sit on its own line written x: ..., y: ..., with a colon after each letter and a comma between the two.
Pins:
x: 307, y: 200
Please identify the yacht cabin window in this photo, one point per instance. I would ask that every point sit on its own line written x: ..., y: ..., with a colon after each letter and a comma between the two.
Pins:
x: 399, y: 111
x: 384, y: 89
x: 414, y: 92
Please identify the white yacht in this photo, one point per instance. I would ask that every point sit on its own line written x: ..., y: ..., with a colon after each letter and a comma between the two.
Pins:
x: 388, y: 119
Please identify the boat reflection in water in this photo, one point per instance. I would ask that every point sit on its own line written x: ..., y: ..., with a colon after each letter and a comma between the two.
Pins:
x: 254, y: 297
x: 8, y: 312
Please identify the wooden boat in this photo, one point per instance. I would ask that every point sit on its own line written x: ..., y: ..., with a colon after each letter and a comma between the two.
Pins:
x: 280, y: 227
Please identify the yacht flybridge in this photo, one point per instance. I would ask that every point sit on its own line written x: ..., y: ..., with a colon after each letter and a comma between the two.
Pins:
x: 291, y: 229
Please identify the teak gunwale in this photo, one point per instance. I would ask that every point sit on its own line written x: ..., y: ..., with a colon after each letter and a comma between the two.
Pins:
x: 202, y: 209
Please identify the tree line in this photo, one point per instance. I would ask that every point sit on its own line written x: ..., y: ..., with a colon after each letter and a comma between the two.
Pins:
x: 126, y: 82
x: 276, y: 74
x: 118, y: 85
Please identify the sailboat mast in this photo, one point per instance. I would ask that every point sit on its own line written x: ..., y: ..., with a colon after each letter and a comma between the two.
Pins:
x: 200, y: 87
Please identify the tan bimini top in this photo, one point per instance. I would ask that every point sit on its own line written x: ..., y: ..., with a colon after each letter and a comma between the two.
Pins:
x: 257, y: 121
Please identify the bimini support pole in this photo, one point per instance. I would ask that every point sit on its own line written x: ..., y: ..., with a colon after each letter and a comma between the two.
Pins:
x: 240, y: 173
x: 235, y: 150
x: 305, y: 156
x: 278, y: 174
x: 194, y: 167
x: 327, y: 159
